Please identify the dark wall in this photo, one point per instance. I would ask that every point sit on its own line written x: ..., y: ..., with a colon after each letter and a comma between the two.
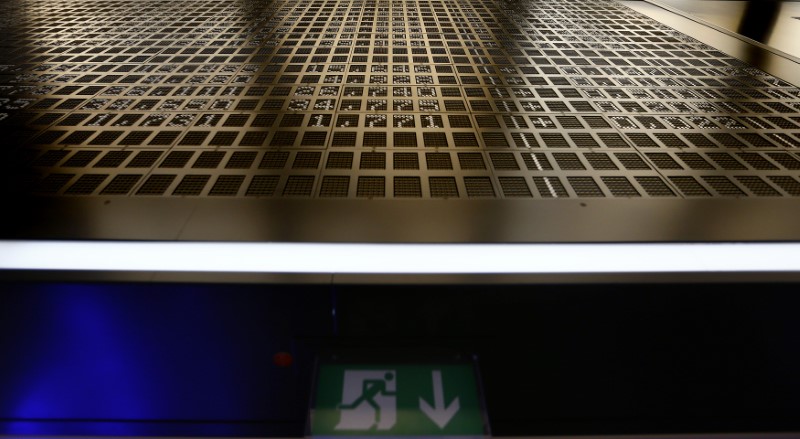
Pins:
x: 171, y: 359
x: 607, y: 358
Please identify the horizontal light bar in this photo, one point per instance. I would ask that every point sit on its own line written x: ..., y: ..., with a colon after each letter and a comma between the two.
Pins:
x: 226, y: 257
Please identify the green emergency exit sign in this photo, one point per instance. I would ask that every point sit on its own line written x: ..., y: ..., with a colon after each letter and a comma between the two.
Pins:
x: 397, y: 400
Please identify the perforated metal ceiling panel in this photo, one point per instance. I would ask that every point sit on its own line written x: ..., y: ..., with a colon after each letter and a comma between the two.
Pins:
x: 383, y: 99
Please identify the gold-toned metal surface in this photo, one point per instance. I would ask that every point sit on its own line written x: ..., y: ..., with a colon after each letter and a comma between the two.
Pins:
x: 773, y: 23
x: 249, y: 120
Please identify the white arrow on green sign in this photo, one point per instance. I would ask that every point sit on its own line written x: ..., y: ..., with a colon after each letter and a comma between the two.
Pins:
x: 440, y: 414
x: 397, y: 400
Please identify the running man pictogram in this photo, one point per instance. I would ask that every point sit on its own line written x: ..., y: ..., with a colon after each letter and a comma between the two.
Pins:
x: 368, y: 400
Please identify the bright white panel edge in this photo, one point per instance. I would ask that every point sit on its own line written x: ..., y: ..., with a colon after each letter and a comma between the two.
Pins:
x: 227, y: 257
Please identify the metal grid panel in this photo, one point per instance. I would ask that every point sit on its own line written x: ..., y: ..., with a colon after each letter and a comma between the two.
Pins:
x: 383, y: 99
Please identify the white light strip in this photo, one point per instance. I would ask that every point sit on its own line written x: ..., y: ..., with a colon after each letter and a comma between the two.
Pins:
x: 226, y: 257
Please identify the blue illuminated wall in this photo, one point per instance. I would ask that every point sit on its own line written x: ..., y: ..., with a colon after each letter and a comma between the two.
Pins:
x: 174, y: 359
